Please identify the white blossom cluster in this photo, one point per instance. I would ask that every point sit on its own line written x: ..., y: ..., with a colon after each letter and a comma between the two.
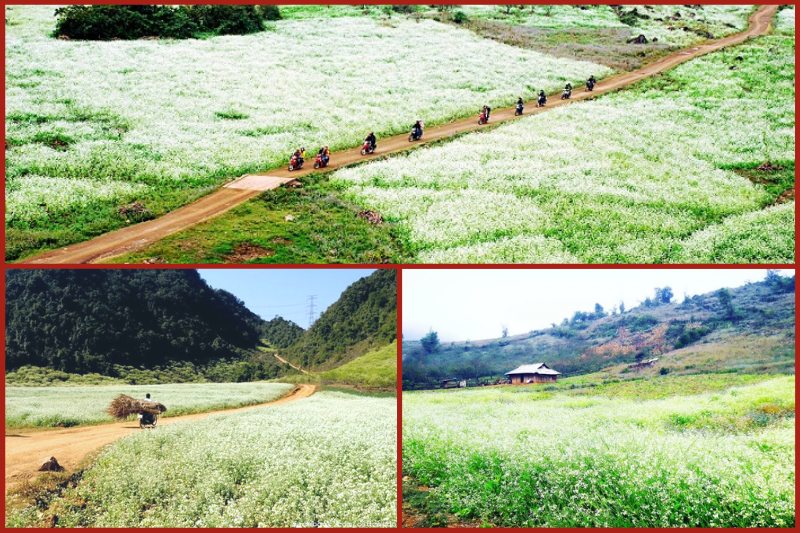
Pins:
x: 328, y: 460
x: 71, y: 406
x: 166, y: 115
x: 517, y: 456
x: 636, y: 176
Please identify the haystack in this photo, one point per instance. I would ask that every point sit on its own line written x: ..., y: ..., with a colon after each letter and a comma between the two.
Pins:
x: 124, y: 406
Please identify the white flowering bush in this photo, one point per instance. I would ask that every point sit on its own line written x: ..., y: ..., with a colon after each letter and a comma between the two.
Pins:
x: 518, y: 456
x: 71, y: 406
x: 164, y: 116
x: 632, y: 177
x: 328, y: 460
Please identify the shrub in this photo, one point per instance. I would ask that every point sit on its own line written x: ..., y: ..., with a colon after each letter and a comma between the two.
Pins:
x: 459, y: 17
x: 270, y: 12
x: 103, y: 22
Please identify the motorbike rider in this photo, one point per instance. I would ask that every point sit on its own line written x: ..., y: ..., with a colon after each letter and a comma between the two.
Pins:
x: 488, y: 111
x: 417, y: 129
x: 300, y: 155
x: 324, y: 154
x: 520, y: 104
x: 148, y: 418
x: 542, y: 99
x: 372, y: 140
x: 568, y: 90
x: 591, y: 82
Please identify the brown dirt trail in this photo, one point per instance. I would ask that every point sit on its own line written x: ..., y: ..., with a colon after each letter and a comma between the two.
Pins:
x: 138, y: 236
x: 26, y: 451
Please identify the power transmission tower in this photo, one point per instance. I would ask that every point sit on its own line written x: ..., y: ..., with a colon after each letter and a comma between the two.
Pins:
x: 311, y: 314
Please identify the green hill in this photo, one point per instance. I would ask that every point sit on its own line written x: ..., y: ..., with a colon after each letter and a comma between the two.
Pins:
x: 363, y: 318
x: 747, y: 329
x: 374, y: 370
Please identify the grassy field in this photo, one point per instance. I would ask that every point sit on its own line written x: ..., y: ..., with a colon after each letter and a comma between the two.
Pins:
x: 645, y: 175
x: 325, y: 229
x: 328, y: 460
x: 658, y: 173
x: 700, y: 451
x: 373, y: 371
x: 79, y: 405
x: 94, y: 126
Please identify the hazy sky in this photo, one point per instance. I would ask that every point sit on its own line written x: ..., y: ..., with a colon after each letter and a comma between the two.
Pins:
x: 476, y: 304
x: 284, y: 292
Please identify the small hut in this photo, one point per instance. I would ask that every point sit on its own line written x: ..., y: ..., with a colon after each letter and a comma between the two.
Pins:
x: 643, y: 364
x: 535, y: 373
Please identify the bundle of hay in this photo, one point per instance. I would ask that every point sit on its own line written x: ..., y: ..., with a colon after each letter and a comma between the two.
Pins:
x: 124, y: 406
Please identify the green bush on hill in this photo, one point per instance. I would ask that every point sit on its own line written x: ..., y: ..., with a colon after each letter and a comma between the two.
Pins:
x: 103, y: 22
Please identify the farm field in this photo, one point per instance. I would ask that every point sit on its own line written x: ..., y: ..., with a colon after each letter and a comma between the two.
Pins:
x: 662, y: 172
x: 373, y: 371
x: 66, y: 406
x: 659, y: 452
x: 329, y: 460
x: 86, y: 139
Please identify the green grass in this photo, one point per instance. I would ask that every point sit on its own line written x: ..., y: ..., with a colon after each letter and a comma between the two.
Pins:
x: 324, y: 229
x: 696, y: 451
x: 376, y: 369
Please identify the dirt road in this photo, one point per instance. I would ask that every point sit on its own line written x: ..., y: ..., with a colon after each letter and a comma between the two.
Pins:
x: 141, y: 235
x: 285, y: 362
x: 26, y: 451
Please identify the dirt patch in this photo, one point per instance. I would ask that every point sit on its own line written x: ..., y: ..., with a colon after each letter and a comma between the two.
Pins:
x: 247, y: 252
x: 785, y: 196
x: 608, y: 46
x: 373, y: 217
x: 281, y: 241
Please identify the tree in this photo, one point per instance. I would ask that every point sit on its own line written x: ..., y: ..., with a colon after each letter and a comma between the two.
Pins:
x: 725, y: 300
x: 505, y: 331
x: 599, y: 312
x: 621, y: 308
x: 663, y: 295
x: 430, y: 342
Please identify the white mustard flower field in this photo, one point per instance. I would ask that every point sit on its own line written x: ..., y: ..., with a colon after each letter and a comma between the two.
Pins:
x: 718, y: 459
x: 144, y: 119
x: 325, y: 461
x: 72, y: 406
x: 646, y: 175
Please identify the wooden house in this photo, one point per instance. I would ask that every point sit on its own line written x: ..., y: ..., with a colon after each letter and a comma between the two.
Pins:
x: 535, y: 373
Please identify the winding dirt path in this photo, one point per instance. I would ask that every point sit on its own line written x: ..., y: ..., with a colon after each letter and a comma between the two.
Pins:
x: 140, y: 235
x: 26, y: 451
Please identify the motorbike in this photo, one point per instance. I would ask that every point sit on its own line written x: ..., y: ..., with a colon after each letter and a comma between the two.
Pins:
x: 295, y: 163
x: 367, y: 148
x: 482, y: 118
x: 147, y: 420
x: 590, y: 86
x: 518, y: 110
x: 542, y: 100
x: 566, y: 94
x: 320, y: 162
x: 415, y: 135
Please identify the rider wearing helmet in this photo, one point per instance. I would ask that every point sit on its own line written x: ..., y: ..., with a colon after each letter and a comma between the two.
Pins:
x: 417, y: 129
x: 372, y: 140
x: 542, y: 98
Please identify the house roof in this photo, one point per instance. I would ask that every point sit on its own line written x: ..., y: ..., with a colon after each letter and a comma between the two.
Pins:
x: 536, y: 368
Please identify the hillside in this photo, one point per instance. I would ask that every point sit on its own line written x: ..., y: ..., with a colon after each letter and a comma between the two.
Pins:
x: 281, y: 333
x: 91, y: 320
x: 363, y: 318
x: 752, y: 331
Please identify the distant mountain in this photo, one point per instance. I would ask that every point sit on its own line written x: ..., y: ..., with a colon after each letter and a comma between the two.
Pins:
x: 363, y: 318
x: 281, y: 333
x: 750, y: 328
x: 89, y: 320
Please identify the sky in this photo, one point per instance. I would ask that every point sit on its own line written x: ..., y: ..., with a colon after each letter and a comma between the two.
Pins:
x: 284, y: 292
x: 476, y: 304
